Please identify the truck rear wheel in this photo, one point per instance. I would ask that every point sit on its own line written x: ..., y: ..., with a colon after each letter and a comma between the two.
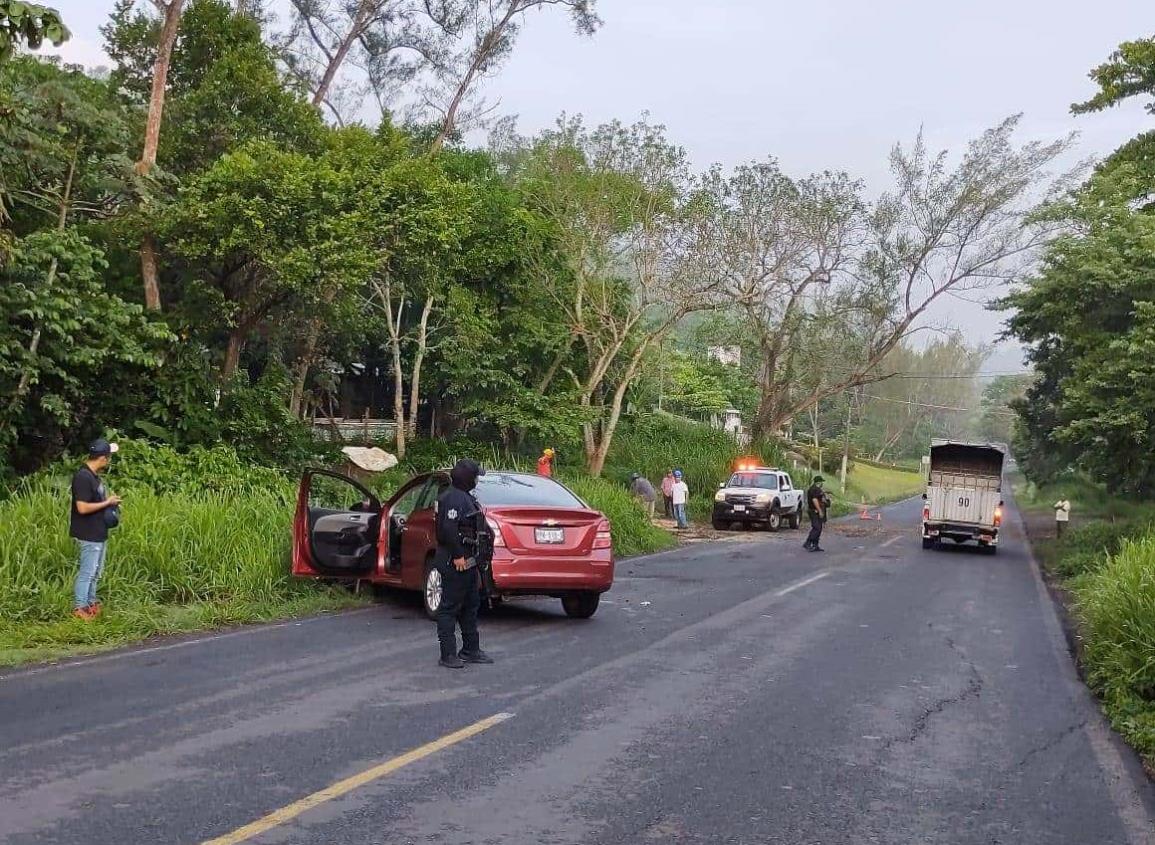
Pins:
x: 796, y: 518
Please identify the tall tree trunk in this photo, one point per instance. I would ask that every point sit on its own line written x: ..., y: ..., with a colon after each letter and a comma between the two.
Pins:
x: 398, y: 397
x: 418, y: 360
x: 233, y: 349
x: 171, y: 11
x: 597, y: 461
x: 304, y: 364
x: 338, y: 58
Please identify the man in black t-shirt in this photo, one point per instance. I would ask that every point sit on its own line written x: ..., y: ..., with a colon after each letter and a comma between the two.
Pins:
x: 89, y: 525
x: 816, y: 504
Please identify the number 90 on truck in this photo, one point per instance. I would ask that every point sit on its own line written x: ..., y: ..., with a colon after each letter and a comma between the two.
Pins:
x: 963, y: 498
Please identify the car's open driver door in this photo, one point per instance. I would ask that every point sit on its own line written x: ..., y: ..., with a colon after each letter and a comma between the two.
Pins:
x: 336, y: 527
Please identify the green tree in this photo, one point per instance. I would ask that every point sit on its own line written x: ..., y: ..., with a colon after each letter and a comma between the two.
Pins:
x: 29, y: 24
x: 999, y: 398
x: 265, y: 231
x: 1082, y: 307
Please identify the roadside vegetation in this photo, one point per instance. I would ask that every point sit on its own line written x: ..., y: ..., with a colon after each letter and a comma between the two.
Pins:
x: 1083, y: 425
x: 1105, y: 564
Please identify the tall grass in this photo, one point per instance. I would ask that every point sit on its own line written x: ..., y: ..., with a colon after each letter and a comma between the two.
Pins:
x: 219, y: 558
x: 1116, y: 606
x: 633, y: 532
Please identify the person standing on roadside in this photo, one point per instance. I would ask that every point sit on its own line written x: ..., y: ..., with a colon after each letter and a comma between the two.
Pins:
x: 1062, y: 516
x: 545, y: 463
x: 644, y: 492
x: 816, y: 504
x: 460, y: 523
x: 93, y: 512
x: 680, y: 496
x: 668, y: 493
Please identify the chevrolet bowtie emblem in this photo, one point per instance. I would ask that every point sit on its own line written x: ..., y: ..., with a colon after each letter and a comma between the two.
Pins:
x: 550, y: 522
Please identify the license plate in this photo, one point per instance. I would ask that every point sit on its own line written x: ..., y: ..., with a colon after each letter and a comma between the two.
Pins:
x: 549, y: 536
x: 739, y: 508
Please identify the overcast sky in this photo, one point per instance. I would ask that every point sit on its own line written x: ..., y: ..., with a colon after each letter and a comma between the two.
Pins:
x: 820, y: 84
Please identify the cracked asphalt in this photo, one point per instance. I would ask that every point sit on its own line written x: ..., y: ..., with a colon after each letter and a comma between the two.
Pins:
x: 734, y: 692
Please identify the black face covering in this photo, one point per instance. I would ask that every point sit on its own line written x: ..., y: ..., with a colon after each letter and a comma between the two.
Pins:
x: 464, y: 474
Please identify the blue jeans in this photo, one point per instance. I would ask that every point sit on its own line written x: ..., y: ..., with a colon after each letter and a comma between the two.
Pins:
x: 91, y: 565
x: 680, y: 516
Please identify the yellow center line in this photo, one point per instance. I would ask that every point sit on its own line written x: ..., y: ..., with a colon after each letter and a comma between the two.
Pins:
x: 342, y: 787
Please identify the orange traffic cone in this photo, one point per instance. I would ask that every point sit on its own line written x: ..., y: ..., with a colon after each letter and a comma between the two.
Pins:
x: 864, y: 514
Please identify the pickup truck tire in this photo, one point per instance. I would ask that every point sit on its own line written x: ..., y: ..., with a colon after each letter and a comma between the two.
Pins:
x: 928, y: 542
x: 796, y: 518
x: 581, y: 605
x: 718, y: 524
x: 774, y: 520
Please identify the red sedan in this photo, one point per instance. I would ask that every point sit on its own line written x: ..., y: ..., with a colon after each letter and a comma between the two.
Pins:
x: 547, y: 541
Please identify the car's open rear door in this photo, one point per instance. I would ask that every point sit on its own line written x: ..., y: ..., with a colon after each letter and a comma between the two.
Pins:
x: 336, y: 527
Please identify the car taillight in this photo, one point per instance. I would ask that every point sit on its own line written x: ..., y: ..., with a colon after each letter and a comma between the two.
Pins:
x: 495, y: 527
x: 603, y: 539
x: 998, y: 517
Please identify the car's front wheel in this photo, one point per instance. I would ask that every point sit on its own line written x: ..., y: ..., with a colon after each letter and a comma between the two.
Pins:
x: 581, y: 605
x: 433, y: 589
x: 774, y: 521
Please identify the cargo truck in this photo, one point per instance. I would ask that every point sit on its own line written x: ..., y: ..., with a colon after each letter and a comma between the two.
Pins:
x: 963, y: 498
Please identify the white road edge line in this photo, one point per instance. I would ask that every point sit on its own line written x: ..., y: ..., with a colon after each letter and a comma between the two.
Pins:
x: 18, y: 673
x: 1125, y: 792
x: 798, y: 585
x: 891, y: 541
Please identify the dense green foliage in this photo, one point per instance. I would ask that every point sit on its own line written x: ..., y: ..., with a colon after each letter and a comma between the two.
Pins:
x: 1088, y: 317
x: 1116, y: 606
x: 29, y: 24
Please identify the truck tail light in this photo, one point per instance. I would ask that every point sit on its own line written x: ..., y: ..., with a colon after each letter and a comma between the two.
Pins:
x: 603, y: 539
x: 926, y: 513
x: 495, y: 527
x: 998, y: 517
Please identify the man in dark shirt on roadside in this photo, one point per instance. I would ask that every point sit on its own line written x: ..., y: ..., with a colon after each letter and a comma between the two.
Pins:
x: 816, y: 505
x: 89, y: 525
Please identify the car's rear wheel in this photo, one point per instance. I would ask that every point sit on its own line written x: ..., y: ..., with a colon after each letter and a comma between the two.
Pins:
x: 581, y: 605
x: 719, y: 525
x: 796, y: 518
x: 774, y: 521
x: 433, y: 589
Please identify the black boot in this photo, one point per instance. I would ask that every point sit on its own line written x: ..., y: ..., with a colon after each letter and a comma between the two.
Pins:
x: 452, y: 662
x: 478, y: 656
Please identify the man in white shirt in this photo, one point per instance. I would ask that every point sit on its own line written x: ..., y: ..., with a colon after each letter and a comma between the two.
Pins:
x: 1062, y: 516
x: 680, y: 495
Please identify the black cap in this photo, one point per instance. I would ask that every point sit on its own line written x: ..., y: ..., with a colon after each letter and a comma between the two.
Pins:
x: 100, y: 448
x: 818, y: 479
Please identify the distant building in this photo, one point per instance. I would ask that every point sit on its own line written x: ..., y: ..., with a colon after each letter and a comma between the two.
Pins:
x: 729, y: 355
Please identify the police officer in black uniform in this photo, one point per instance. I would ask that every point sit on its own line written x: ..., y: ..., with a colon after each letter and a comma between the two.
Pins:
x: 461, y: 551
x: 817, y: 504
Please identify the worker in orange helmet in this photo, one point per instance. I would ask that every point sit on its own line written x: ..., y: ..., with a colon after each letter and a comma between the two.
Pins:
x: 545, y: 463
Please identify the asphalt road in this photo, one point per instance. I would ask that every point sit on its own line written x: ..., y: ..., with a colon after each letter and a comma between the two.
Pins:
x: 734, y: 692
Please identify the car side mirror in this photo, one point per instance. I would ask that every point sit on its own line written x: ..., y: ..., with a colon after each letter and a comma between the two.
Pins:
x: 1001, y: 503
x: 924, y: 495
x: 722, y: 486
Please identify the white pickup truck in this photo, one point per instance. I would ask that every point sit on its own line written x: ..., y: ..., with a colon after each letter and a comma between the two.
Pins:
x: 758, y: 495
x: 964, y: 499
